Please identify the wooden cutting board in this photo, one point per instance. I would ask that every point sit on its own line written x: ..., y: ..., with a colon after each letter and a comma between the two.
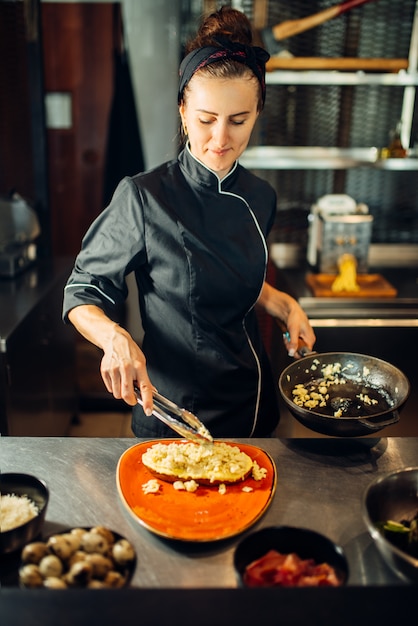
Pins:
x: 371, y: 286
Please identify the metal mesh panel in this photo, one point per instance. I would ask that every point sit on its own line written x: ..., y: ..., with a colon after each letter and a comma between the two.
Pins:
x: 341, y: 116
x: 345, y: 116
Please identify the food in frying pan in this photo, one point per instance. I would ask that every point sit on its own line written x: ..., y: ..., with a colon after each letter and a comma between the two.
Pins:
x: 403, y: 534
x: 339, y: 394
x: 15, y: 511
x: 208, y: 465
x: 95, y: 558
x: 275, y: 569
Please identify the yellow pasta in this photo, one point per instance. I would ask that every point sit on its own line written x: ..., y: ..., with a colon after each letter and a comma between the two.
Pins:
x: 347, y: 277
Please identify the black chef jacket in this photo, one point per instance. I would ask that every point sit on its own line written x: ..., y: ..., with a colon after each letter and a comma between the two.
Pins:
x: 197, y: 246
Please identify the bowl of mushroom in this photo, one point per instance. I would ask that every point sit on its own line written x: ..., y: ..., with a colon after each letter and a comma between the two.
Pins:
x: 94, y: 558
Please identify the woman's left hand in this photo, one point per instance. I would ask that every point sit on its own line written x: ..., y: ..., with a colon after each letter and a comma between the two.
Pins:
x: 290, y: 314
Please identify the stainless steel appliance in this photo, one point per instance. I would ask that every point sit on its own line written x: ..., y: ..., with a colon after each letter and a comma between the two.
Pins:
x: 19, y: 230
x: 337, y: 226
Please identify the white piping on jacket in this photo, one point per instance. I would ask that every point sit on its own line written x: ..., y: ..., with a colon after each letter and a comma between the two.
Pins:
x: 234, y: 195
x: 257, y: 360
x: 84, y: 285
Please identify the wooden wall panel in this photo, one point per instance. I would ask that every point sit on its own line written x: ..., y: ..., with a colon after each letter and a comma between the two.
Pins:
x: 78, y: 59
x: 15, y: 124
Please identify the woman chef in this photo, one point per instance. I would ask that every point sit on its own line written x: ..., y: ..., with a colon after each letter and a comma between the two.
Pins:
x: 194, y: 232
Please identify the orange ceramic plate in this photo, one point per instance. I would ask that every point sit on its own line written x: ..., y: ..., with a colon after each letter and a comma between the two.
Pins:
x: 204, y: 515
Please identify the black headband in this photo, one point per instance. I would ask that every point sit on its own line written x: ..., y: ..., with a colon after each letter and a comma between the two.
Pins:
x: 253, y: 57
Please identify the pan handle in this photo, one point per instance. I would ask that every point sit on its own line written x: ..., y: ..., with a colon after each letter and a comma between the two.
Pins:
x: 304, y: 350
x: 379, y: 425
x: 302, y: 347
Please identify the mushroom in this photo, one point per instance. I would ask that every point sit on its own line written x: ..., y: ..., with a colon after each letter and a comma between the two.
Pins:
x: 114, y: 579
x: 30, y: 576
x: 78, y: 532
x: 74, y: 539
x: 79, y: 574
x: 105, y: 532
x: 61, y: 546
x: 123, y: 552
x: 97, y: 584
x: 34, y: 552
x: 78, y: 556
x: 93, y: 542
x: 53, y: 582
x: 51, y: 565
x: 100, y: 564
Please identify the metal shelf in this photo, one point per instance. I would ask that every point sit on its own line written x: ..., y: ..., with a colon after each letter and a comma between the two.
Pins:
x: 318, y: 158
x: 330, y: 77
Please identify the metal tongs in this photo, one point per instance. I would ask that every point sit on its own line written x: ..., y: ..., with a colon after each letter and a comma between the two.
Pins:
x: 194, y: 431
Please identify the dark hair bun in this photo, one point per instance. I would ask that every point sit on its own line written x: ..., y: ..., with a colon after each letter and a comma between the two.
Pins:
x: 228, y: 23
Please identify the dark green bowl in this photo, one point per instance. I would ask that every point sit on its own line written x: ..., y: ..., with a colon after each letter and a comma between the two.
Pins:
x: 37, y: 491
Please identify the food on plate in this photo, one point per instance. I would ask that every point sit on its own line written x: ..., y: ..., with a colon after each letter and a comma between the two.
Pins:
x: 94, y: 558
x: 205, y: 515
x: 275, y: 569
x: 188, y: 485
x: 15, y: 511
x: 151, y: 486
x: 338, y: 392
x: 208, y: 465
x: 403, y: 534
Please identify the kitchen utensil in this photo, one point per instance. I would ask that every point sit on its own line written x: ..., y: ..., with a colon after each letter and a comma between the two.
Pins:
x: 271, y: 36
x: 338, y: 225
x: 369, y: 400
x: 19, y: 231
x: 194, y: 430
x: 289, y: 28
x: 392, y: 497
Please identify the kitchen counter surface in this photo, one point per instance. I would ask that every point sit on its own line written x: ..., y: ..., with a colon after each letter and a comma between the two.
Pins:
x: 320, y: 486
x: 38, y: 394
x: 19, y: 295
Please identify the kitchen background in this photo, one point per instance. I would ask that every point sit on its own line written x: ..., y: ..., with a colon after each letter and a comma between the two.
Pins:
x: 89, y: 94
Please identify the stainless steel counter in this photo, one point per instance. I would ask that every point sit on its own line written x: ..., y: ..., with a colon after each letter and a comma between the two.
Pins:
x: 320, y: 486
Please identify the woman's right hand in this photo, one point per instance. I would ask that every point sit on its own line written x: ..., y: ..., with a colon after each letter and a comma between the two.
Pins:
x: 123, y: 363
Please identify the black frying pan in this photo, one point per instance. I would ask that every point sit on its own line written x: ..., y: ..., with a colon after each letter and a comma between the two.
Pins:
x: 369, y: 400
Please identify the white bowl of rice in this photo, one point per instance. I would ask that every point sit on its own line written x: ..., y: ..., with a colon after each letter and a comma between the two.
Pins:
x: 24, y: 500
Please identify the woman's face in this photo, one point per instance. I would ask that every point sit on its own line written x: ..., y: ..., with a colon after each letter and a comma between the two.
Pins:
x: 218, y: 117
